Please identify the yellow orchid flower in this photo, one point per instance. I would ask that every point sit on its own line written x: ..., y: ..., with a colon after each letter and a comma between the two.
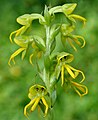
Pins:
x: 23, y: 42
x: 26, y: 20
x: 36, y: 94
x: 66, y: 34
x: 63, y: 59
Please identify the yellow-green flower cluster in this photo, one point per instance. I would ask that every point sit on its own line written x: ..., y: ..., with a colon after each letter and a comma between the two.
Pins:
x: 55, y: 64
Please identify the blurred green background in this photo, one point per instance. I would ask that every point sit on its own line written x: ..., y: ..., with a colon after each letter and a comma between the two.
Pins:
x: 15, y: 81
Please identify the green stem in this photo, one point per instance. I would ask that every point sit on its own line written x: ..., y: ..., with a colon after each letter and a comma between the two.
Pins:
x: 47, y: 39
x: 46, y: 56
x: 47, y: 71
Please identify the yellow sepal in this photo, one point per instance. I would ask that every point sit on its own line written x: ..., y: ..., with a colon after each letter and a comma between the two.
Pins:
x: 46, y: 105
x: 71, y: 44
x: 77, y: 36
x: 62, y: 75
x: 17, y: 33
x: 30, y: 59
x: 15, y: 54
x: 80, y: 88
x: 27, y: 106
x: 74, y: 72
x: 78, y: 17
x: 35, y: 104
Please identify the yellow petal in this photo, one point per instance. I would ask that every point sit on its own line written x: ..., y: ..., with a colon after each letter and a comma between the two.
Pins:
x: 17, y: 33
x: 75, y: 73
x: 76, y: 41
x: 30, y: 59
x: 62, y: 75
x: 82, y: 40
x: 71, y: 44
x: 80, y: 89
x: 35, y: 104
x: 46, y: 105
x: 21, y: 30
x: 15, y: 54
x: 70, y: 71
x: 28, y: 105
x: 78, y: 17
x: 10, y: 37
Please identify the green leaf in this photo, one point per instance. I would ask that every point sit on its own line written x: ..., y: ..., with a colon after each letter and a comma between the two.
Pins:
x: 63, y: 40
x: 53, y: 80
x: 53, y: 45
x: 53, y: 97
x: 54, y: 31
x: 39, y: 42
x: 47, y: 15
x: 57, y: 70
x: 47, y: 62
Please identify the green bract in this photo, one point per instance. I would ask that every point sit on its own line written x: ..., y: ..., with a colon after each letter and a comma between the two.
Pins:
x: 54, y: 64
